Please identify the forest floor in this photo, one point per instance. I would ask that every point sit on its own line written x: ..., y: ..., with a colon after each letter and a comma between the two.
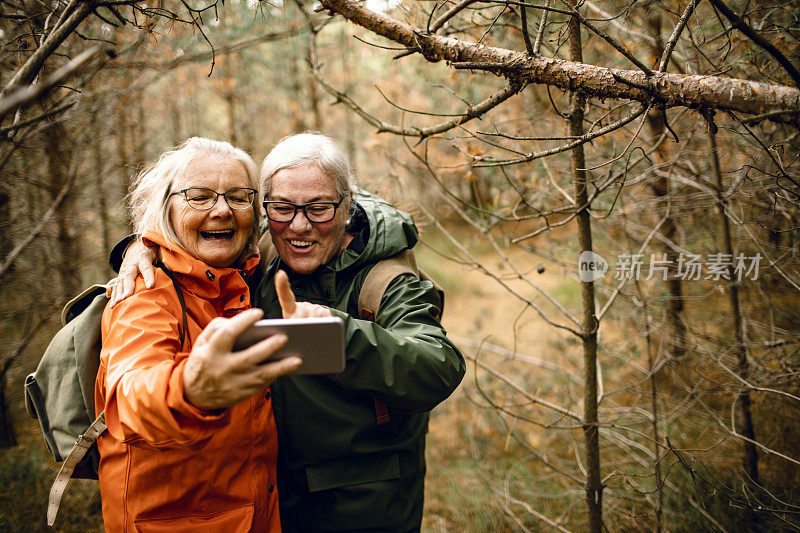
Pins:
x: 485, y: 320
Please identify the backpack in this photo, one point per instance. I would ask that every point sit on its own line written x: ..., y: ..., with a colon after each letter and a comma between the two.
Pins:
x: 60, y: 393
x: 382, y: 274
x: 369, y: 299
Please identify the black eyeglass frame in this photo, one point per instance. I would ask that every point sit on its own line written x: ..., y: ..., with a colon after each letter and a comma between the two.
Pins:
x: 302, y: 207
x: 251, y: 195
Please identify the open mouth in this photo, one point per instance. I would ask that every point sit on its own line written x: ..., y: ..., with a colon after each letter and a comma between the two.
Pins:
x: 217, y: 234
x: 300, y: 245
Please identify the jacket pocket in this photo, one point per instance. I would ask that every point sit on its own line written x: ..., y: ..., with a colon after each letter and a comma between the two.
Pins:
x: 238, y: 520
x: 344, y: 472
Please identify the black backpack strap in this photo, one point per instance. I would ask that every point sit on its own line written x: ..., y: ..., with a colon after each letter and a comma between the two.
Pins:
x: 172, y: 277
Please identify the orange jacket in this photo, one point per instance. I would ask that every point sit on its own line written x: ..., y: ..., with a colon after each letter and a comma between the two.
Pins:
x: 164, y: 464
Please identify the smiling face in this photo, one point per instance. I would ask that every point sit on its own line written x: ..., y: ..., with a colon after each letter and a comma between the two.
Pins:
x: 304, y: 246
x: 219, y: 235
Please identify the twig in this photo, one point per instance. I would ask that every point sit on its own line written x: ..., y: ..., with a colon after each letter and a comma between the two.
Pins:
x: 13, y: 254
x: 613, y: 42
x: 45, y: 318
x: 513, y: 355
x: 33, y: 120
x: 540, y: 34
x: 738, y: 23
x: 523, y: 15
x: 486, y: 271
x: 521, y: 390
x: 750, y: 386
x: 732, y: 431
x: 676, y: 33
x: 469, y: 114
x: 566, y: 147
x: 534, y: 512
x: 450, y: 13
x: 774, y: 115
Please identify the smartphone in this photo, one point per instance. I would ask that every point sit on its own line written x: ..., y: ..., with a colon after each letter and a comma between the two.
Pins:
x: 319, y: 342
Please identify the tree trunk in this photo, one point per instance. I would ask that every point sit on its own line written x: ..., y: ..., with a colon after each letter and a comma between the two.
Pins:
x: 296, y: 103
x: 350, y: 139
x: 7, y: 436
x: 674, y: 340
x: 100, y: 192
x: 229, y: 95
x: 123, y: 143
x: 658, y: 511
x: 177, y: 122
x: 59, y: 167
x: 594, y: 489
x: 313, y: 98
x: 744, y: 416
x: 140, y: 135
x: 230, y: 103
x: 6, y: 243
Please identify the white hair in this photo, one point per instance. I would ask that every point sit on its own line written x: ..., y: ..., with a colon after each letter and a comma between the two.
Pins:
x: 310, y: 148
x: 148, y: 201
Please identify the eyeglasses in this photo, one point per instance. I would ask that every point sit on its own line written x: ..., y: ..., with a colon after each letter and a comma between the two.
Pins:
x: 317, y: 212
x: 204, y: 199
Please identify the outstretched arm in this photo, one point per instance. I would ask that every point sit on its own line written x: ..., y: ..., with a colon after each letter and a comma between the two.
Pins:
x: 151, y: 392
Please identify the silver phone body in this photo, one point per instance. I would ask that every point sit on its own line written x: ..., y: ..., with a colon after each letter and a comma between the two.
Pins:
x: 319, y: 342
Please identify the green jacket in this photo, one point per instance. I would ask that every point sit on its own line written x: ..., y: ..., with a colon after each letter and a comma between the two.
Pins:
x: 338, y: 469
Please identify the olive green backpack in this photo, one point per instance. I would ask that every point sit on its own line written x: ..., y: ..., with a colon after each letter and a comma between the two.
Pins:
x: 60, y: 393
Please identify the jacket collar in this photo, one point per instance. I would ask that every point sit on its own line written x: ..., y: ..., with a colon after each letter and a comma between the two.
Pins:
x: 207, y: 282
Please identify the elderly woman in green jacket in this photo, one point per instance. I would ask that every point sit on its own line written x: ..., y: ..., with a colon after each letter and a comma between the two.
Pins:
x: 351, y: 445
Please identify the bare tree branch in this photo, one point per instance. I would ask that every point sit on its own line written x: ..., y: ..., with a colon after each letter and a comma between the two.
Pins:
x: 450, y: 13
x: 13, y: 254
x: 737, y: 22
x: 34, y: 64
x: 613, y: 42
x: 473, y: 111
x: 540, y: 34
x: 32, y: 93
x: 666, y: 88
x: 676, y: 33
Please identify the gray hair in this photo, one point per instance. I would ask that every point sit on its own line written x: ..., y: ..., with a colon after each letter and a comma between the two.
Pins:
x: 148, y: 201
x: 310, y: 148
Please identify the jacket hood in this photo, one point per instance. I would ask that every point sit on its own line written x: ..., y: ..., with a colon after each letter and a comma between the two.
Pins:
x: 390, y: 232
x: 201, y: 279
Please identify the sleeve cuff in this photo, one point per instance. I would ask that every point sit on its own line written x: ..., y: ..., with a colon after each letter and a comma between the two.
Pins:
x: 178, y: 403
x: 118, y: 251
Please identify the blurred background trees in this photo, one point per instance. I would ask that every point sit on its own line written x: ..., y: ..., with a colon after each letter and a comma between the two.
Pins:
x: 662, y: 136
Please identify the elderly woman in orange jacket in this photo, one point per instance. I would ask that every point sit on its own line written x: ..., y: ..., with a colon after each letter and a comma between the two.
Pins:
x: 191, y: 442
